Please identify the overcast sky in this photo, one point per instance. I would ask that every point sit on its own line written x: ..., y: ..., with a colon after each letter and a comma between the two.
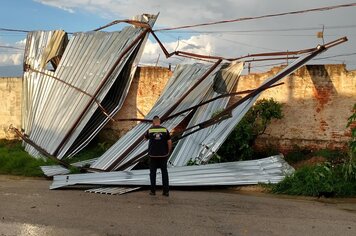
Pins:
x: 229, y: 40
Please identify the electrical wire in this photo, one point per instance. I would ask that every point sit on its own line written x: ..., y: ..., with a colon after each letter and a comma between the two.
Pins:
x: 261, y: 17
x: 10, y: 47
x: 260, y: 30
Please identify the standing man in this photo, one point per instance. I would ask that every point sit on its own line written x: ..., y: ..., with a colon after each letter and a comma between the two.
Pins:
x: 159, y: 148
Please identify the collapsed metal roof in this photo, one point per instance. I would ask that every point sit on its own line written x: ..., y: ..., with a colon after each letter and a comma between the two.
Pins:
x: 64, y: 109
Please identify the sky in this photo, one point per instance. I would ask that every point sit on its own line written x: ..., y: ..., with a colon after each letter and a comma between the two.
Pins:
x: 227, y: 40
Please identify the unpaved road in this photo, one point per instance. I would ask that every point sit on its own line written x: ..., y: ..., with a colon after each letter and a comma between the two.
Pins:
x: 27, y: 207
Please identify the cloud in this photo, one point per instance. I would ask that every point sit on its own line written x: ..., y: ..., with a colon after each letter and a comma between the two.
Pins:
x: 58, y: 4
x: 12, y: 56
x: 229, y: 44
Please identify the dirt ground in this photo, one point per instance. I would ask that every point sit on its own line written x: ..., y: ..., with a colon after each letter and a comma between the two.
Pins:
x: 28, y: 207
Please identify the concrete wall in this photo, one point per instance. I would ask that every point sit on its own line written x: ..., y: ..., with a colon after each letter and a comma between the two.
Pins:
x: 10, y: 105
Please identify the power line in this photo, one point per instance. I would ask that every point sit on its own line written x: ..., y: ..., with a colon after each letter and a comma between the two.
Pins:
x: 14, y: 30
x: 10, y: 47
x: 260, y: 30
x: 339, y: 55
x: 260, y: 17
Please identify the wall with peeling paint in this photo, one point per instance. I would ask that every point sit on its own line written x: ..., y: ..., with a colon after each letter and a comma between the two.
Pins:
x: 10, y: 105
x: 317, y: 100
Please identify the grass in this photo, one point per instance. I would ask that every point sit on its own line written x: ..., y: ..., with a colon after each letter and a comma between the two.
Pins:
x: 322, y: 179
x: 90, y: 152
x: 15, y: 160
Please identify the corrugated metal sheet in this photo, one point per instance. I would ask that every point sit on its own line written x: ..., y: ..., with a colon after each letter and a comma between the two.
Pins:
x: 267, y: 170
x: 188, y: 148
x: 55, y: 106
x: 183, y: 78
x: 54, y: 170
x: 36, y: 44
x: 60, y: 170
x: 112, y: 190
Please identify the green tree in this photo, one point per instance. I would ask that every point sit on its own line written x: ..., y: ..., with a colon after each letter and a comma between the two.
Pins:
x: 238, y: 145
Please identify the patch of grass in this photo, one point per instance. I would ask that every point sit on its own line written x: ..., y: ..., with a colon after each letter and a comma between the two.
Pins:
x: 316, y: 181
x: 14, y: 160
x: 90, y: 152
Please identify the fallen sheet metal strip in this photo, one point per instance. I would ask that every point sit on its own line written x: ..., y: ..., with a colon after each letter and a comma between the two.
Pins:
x: 268, y: 170
x: 112, y: 190
x: 50, y: 171
x: 53, y: 170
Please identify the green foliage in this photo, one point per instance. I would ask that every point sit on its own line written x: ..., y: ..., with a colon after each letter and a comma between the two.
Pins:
x: 192, y: 162
x: 91, y: 151
x: 238, y: 145
x: 15, y: 161
x: 349, y: 167
x: 316, y: 180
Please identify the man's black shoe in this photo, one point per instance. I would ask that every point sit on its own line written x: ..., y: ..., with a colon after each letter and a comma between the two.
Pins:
x: 152, y: 193
x: 165, y: 194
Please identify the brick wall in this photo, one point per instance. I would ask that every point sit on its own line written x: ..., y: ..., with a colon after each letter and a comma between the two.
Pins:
x: 145, y: 89
x: 10, y: 105
x: 317, y: 100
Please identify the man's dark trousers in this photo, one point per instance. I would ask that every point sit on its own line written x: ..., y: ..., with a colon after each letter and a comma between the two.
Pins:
x: 161, y: 163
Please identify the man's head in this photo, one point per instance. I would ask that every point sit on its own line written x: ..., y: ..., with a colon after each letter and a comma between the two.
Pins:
x: 156, y: 121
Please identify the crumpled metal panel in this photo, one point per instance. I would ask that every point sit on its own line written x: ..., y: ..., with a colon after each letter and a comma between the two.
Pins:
x: 189, y: 147
x: 268, y: 170
x: 86, y: 61
x: 37, y: 43
x: 183, y: 78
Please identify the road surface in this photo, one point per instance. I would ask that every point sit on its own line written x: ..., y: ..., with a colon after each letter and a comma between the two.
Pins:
x: 28, y: 207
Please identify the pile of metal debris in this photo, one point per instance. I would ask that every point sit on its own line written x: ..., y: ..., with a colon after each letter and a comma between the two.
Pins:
x: 65, y: 108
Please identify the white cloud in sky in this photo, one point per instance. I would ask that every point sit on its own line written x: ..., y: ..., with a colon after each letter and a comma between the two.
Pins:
x: 201, y: 44
x: 185, y: 12
x: 9, y: 56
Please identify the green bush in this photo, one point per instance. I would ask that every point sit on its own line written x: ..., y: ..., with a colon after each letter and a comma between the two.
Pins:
x: 315, y: 181
x: 349, y: 168
x: 238, y: 145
